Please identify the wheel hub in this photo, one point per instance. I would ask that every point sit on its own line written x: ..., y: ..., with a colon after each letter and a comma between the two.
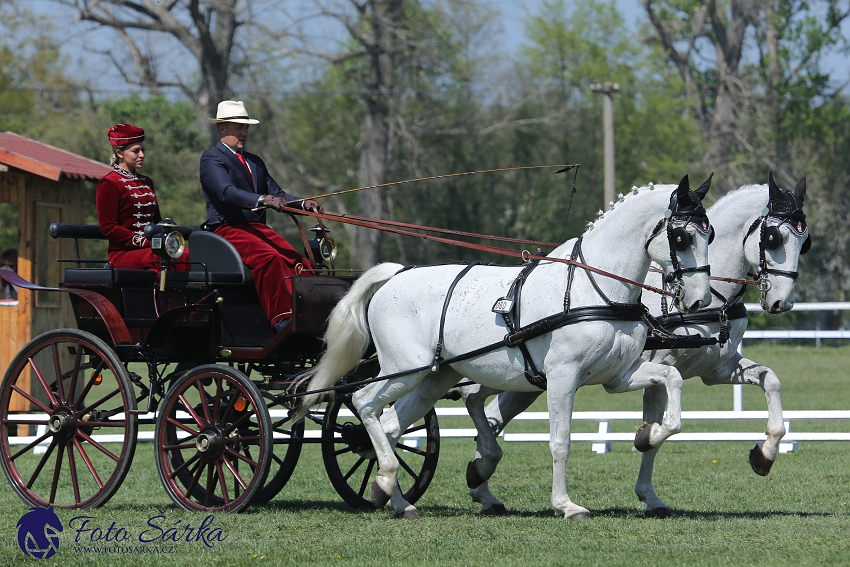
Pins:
x: 62, y: 424
x: 210, y: 444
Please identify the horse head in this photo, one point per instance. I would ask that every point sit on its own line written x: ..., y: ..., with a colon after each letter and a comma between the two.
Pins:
x: 683, y: 255
x: 782, y: 236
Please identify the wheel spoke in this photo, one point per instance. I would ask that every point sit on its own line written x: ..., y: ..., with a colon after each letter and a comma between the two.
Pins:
x: 43, y: 382
x: 32, y: 400
x: 414, y: 428
x: 74, y: 480
x: 191, y: 411
x: 204, y: 403
x: 178, y: 447
x: 241, y: 457
x: 92, y: 379
x: 88, y: 408
x: 42, y: 462
x: 196, y: 475
x: 354, y: 468
x: 185, y: 428
x: 57, y: 469
x: 410, y: 449
x: 222, y: 482
x: 60, y: 390
x: 366, y: 478
x: 30, y: 446
x: 238, y: 422
x: 217, y: 399
x: 77, y: 360
x: 235, y: 473
x: 409, y: 470
x: 210, y: 487
x: 185, y: 464
x: 102, y: 449
x: 87, y: 460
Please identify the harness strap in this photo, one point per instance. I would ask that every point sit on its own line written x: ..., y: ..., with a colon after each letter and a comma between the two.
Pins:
x: 435, y: 365
x: 512, y: 320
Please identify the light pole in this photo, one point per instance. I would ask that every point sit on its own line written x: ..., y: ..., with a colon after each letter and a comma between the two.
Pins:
x: 607, y: 89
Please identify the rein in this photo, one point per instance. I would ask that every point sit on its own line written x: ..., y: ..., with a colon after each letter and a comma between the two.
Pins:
x: 524, y: 255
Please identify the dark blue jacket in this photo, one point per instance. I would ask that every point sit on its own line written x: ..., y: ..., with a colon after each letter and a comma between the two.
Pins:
x: 228, y: 190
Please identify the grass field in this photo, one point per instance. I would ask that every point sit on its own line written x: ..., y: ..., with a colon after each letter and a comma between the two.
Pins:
x: 723, y: 514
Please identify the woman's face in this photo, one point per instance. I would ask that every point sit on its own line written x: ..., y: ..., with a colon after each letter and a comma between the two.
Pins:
x: 132, y: 157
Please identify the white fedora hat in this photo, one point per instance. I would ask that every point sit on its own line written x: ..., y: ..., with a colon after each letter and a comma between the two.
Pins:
x: 232, y: 111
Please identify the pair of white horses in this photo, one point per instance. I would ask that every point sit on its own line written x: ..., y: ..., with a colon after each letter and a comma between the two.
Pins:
x: 412, y: 318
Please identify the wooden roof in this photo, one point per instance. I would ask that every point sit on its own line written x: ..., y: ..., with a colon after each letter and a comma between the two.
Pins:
x: 47, y: 161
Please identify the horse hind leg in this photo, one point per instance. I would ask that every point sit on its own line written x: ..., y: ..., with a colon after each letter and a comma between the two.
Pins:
x: 369, y: 401
x: 489, y: 422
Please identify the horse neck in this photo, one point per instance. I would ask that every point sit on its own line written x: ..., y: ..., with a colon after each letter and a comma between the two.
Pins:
x: 731, y: 217
x: 616, y: 242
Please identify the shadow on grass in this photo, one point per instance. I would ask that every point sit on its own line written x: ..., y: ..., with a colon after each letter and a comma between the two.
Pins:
x: 616, y: 513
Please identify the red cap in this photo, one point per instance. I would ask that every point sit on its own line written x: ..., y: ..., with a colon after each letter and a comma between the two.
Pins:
x: 124, y: 134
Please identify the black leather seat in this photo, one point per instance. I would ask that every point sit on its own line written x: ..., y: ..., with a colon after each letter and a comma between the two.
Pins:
x: 109, y: 277
x: 220, y: 258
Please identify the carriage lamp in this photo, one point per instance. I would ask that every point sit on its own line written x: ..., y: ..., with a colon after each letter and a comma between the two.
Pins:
x: 168, y: 245
x: 323, y: 248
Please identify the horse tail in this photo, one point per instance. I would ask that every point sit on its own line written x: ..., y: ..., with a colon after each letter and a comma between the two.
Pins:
x: 347, y: 337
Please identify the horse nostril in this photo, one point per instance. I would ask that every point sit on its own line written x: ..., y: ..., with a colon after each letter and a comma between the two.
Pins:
x: 696, y: 305
x: 778, y: 306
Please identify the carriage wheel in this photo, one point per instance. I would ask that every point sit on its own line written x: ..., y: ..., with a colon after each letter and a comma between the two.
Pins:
x: 67, y: 438
x: 288, y: 440
x: 213, y: 441
x: 351, y: 462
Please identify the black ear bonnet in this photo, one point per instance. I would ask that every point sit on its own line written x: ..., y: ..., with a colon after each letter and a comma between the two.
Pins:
x: 785, y: 207
x: 686, y: 206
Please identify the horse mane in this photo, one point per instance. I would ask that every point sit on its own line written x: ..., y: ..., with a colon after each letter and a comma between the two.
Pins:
x: 736, y: 197
x: 635, y: 193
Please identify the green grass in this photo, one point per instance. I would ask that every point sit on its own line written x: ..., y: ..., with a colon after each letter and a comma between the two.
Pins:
x: 723, y: 514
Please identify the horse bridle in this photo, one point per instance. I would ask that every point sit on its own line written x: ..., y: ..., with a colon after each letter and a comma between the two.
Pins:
x: 770, y: 238
x: 675, y: 223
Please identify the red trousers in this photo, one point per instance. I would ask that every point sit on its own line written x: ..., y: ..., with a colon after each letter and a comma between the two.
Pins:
x: 272, y: 261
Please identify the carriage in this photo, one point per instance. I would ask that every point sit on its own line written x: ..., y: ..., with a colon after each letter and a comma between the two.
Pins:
x: 218, y: 391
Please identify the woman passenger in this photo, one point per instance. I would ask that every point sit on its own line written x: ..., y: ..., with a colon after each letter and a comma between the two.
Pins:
x: 126, y: 202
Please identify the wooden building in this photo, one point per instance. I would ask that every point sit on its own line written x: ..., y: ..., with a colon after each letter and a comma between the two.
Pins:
x: 47, y: 185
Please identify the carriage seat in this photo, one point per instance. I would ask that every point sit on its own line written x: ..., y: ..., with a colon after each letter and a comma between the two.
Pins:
x: 109, y: 277
x: 220, y: 258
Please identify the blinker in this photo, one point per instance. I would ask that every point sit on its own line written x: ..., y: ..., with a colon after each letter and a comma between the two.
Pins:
x: 772, y: 238
x: 680, y: 239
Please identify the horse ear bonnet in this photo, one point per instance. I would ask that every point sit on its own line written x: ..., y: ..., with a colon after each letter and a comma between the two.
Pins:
x: 785, y: 205
x: 688, y: 204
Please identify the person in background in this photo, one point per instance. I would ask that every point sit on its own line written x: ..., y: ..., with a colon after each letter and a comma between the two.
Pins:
x: 8, y: 261
x: 237, y: 188
x: 126, y: 203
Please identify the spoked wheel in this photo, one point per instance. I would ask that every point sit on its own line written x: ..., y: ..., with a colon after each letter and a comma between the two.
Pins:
x: 350, y: 459
x: 213, y: 441
x: 287, y: 440
x: 67, y: 437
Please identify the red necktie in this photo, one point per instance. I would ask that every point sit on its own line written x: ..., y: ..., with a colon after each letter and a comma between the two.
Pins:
x: 248, y: 169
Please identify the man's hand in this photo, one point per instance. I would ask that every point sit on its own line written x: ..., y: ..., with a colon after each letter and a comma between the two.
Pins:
x: 311, y: 205
x: 273, y: 202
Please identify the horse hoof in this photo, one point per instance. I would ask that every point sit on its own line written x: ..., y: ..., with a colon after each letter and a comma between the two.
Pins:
x: 408, y: 514
x: 642, y: 443
x: 473, y: 478
x: 761, y: 464
x: 494, y: 510
x: 660, y: 513
x: 580, y: 516
x: 379, y: 497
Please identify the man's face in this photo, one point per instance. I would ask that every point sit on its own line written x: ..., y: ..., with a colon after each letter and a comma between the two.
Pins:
x: 233, y: 134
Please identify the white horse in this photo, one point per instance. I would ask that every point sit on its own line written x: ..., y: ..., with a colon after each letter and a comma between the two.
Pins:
x: 761, y: 230
x: 422, y: 317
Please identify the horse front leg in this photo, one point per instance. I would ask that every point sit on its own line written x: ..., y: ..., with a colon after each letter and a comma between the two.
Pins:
x: 644, y: 374
x: 740, y: 370
x: 560, y: 398
x: 489, y: 422
x: 654, y: 402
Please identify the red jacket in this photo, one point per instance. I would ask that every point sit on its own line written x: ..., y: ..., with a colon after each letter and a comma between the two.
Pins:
x: 125, y: 205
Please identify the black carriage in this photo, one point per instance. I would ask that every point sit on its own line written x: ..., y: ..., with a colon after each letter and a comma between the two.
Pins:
x: 218, y: 387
